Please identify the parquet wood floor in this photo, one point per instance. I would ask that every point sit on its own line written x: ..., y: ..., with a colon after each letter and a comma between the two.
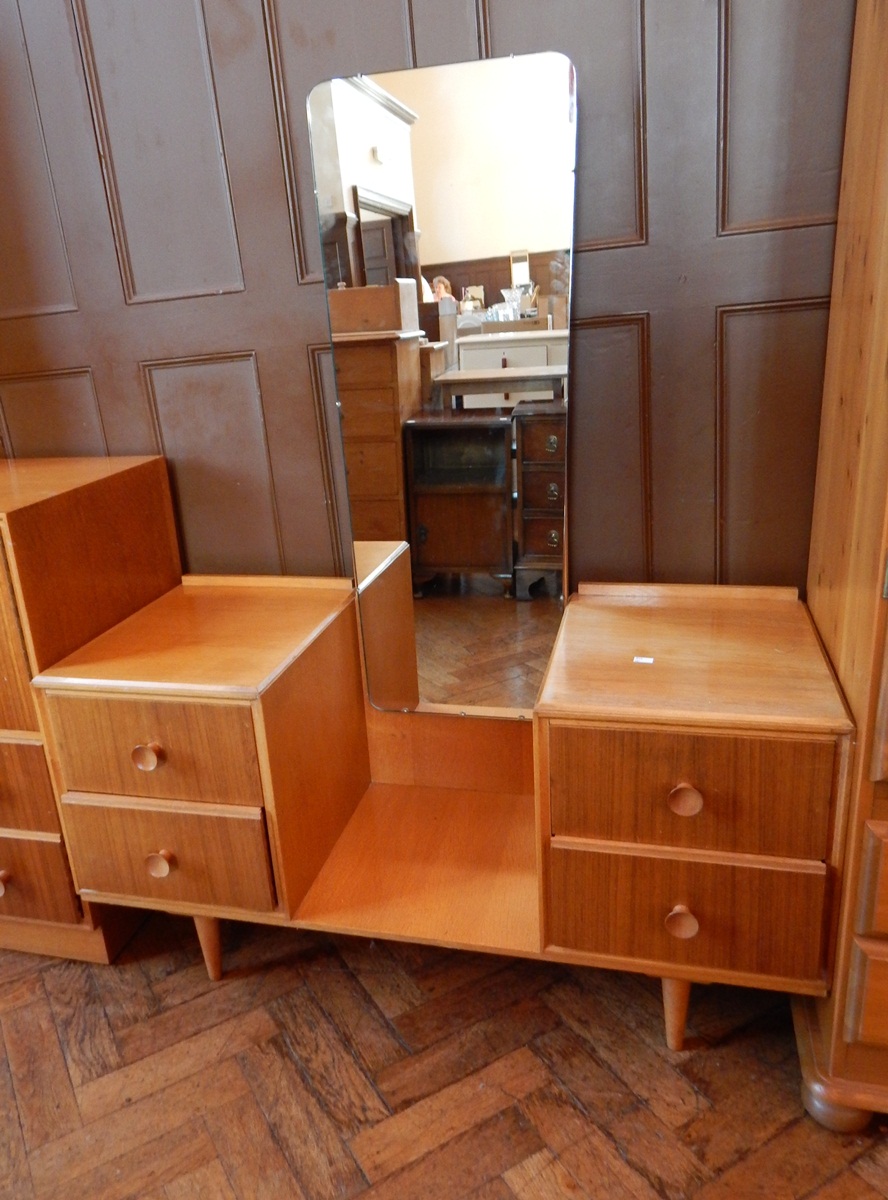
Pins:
x: 477, y: 647
x: 324, y: 1067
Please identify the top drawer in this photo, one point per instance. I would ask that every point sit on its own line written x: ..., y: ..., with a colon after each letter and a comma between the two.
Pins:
x: 873, y: 913
x: 747, y: 794
x: 158, y: 748
x: 543, y: 440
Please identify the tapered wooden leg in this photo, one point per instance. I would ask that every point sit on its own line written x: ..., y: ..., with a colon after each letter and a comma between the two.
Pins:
x: 209, y: 934
x: 676, y: 994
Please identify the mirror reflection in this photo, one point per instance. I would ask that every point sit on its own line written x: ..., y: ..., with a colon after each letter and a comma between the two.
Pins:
x: 445, y: 202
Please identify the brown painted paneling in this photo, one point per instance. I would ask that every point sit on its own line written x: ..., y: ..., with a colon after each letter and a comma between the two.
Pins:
x: 609, y: 450
x: 445, y: 33
x: 605, y: 41
x: 46, y: 415
x: 782, y: 129
x: 223, y: 490
x: 35, y: 275
x: 771, y: 360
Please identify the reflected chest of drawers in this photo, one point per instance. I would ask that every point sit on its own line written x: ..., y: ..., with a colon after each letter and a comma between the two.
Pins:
x: 692, y: 756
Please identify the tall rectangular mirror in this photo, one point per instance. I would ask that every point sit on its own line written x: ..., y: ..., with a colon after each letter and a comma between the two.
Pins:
x: 432, y: 185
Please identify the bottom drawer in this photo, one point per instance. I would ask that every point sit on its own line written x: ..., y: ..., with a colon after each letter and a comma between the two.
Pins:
x: 169, y: 851
x: 36, y: 880
x: 749, y: 918
x: 866, y: 1019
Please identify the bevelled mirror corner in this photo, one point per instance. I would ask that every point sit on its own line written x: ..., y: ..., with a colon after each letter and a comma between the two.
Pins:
x: 445, y: 203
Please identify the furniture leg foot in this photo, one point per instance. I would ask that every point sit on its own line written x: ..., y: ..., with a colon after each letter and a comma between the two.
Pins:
x: 840, y: 1118
x: 209, y: 934
x: 676, y: 994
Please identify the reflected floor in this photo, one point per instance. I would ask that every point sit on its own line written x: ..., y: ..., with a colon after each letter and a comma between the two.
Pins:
x: 475, y: 646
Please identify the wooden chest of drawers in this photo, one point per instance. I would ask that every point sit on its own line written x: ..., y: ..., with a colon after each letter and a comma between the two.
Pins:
x: 75, y: 558
x: 540, y: 447
x: 379, y: 385
x: 211, y: 748
x: 692, y: 754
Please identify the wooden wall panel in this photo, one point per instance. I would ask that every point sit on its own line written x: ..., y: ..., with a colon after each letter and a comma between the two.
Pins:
x: 35, y: 275
x: 307, y: 44
x: 770, y: 379
x: 782, y: 130
x: 455, y: 32
x: 609, y: 535
x: 51, y: 414
x: 210, y: 411
x: 605, y: 41
x: 161, y: 147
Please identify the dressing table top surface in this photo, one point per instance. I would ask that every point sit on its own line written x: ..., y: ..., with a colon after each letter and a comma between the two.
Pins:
x: 212, y: 636
x: 695, y: 655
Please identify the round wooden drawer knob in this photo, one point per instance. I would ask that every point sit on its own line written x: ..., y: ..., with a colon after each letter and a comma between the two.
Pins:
x: 5, y: 877
x: 160, y: 864
x: 682, y: 923
x: 685, y: 800
x: 148, y: 756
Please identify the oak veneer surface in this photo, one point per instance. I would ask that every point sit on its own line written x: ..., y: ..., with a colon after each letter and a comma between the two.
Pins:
x: 226, y: 638
x: 89, y: 541
x: 660, y: 656
x: 438, y: 865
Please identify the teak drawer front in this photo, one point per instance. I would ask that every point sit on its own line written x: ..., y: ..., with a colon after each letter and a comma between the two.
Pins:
x: 207, y: 750
x: 752, y: 919
x: 26, y: 799
x: 873, y: 913
x: 216, y: 855
x: 757, y: 795
x: 866, y: 1018
x: 369, y: 412
x: 543, y: 440
x: 36, y: 880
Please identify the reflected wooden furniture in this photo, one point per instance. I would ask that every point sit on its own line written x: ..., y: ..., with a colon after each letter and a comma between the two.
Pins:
x: 843, y: 1039
x: 378, y: 381
x: 193, y: 775
x: 692, y: 754
x: 540, y: 459
x: 507, y: 347
x: 74, y: 560
x: 384, y: 583
x: 481, y: 381
x: 459, y: 484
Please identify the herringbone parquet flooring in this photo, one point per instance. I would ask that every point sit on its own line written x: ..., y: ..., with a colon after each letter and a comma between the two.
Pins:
x: 331, y: 1067
x: 476, y: 647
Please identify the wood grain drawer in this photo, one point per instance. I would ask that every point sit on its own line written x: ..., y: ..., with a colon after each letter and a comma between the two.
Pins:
x: 378, y: 520
x: 369, y: 412
x: 26, y: 799
x: 216, y: 855
x: 543, y: 440
x: 866, y: 1017
x: 872, y: 917
x: 365, y: 366
x: 753, y: 919
x: 543, y: 537
x: 757, y: 795
x: 37, y: 882
x: 207, y: 750
x: 374, y: 468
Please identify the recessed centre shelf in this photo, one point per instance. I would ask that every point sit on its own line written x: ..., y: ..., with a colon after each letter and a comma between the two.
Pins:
x: 436, y: 865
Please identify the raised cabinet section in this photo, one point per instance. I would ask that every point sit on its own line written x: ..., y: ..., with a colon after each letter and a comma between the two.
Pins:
x: 76, y: 557
x: 212, y: 747
x: 692, y: 752
x: 379, y: 384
